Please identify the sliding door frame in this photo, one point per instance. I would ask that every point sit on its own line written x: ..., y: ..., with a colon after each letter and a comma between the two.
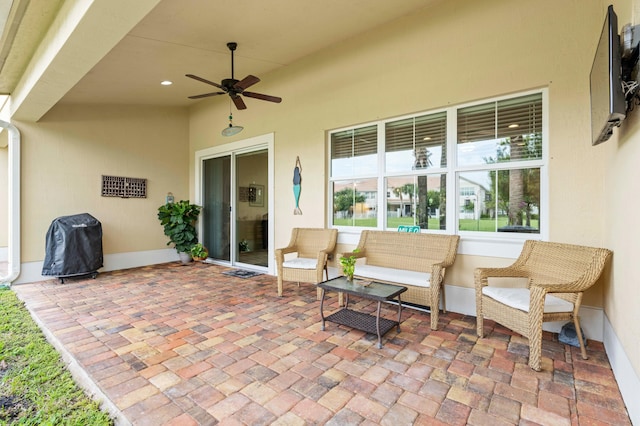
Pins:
x: 232, y: 149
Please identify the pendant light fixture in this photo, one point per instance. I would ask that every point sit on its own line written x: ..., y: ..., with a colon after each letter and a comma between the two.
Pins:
x: 231, y: 130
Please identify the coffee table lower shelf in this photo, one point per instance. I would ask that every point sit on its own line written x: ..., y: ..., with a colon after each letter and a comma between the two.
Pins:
x: 361, y: 321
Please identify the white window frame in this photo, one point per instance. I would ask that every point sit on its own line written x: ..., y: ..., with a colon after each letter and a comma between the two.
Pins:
x: 506, y: 245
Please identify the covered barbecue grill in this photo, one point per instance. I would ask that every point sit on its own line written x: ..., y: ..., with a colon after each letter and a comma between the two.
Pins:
x: 73, y: 247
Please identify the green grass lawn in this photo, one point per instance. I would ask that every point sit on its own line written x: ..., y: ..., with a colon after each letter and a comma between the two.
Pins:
x: 35, y: 386
x: 392, y: 222
x: 484, y: 225
x: 488, y: 225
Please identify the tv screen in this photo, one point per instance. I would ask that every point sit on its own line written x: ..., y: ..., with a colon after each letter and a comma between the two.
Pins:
x: 608, y: 105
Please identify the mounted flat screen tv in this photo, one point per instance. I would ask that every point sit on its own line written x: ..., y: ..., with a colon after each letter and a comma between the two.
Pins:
x: 608, y: 105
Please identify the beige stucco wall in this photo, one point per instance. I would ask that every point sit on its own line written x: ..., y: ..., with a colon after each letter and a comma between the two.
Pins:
x: 459, y: 52
x: 65, y: 154
x: 620, y: 210
x: 456, y: 52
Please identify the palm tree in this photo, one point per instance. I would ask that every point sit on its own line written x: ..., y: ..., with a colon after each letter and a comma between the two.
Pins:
x: 397, y: 191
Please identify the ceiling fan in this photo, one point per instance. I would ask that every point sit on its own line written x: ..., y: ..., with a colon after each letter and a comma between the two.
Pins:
x: 234, y: 88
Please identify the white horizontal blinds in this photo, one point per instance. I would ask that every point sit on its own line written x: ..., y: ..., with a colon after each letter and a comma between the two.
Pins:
x: 342, y: 144
x: 354, y: 152
x: 431, y: 130
x: 365, y: 141
x: 354, y: 143
x: 399, y: 135
x: 419, y: 137
x: 520, y: 121
x: 418, y: 132
x: 477, y: 123
x: 431, y: 139
x: 507, y: 130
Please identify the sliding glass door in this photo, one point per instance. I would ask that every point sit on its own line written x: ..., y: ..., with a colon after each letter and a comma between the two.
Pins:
x: 235, y: 219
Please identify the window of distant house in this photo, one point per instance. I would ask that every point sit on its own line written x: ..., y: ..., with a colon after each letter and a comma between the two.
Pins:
x: 489, y: 155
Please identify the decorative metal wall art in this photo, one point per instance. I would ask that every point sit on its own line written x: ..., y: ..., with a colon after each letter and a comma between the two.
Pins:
x: 124, y: 187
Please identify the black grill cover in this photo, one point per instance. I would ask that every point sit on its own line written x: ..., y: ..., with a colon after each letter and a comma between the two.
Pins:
x: 73, y: 246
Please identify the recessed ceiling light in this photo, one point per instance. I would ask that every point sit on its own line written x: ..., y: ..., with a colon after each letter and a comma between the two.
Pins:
x: 514, y: 125
x: 426, y: 138
x: 166, y: 83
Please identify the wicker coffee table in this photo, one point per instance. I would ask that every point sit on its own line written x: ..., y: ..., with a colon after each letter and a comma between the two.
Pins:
x: 360, y: 320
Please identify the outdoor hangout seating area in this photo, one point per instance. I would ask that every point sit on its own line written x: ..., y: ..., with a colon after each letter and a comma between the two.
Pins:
x: 385, y: 212
x: 174, y: 344
x: 547, y: 280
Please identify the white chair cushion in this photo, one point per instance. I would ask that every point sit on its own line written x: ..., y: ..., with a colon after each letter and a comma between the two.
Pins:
x: 519, y: 298
x: 419, y: 279
x: 300, y: 263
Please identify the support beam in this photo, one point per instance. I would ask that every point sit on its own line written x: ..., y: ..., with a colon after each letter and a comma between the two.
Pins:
x: 83, y: 32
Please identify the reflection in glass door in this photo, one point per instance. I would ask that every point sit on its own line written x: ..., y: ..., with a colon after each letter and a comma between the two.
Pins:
x: 217, y: 207
x: 252, y: 207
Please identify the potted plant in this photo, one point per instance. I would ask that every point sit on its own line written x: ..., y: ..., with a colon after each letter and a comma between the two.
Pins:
x: 349, y: 265
x: 199, y: 252
x: 178, y: 220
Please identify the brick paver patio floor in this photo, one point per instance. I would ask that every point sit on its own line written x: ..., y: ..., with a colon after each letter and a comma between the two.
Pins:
x: 187, y: 345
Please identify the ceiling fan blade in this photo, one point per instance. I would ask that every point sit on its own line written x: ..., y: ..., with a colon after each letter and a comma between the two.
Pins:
x: 263, y: 97
x: 205, y: 95
x: 237, y: 100
x: 249, y: 80
x: 195, y: 77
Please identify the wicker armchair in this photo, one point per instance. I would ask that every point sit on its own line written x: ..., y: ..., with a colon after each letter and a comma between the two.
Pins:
x: 557, y: 275
x: 312, y: 246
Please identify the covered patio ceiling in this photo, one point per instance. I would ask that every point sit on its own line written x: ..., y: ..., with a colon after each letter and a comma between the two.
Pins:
x: 118, y: 52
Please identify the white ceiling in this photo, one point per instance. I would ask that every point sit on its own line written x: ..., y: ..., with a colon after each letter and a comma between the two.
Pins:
x: 190, y: 36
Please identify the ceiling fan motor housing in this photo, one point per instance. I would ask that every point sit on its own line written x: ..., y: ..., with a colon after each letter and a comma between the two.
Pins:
x: 228, y: 83
x: 234, y: 87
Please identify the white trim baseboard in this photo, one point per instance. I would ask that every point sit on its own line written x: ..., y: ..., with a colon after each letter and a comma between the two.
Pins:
x: 627, y: 378
x: 32, y: 271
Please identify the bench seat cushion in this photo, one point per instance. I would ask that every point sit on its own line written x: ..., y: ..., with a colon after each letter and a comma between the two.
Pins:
x: 300, y: 263
x: 400, y: 276
x: 519, y: 298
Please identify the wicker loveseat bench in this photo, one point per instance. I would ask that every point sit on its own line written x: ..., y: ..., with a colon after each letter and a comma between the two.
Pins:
x: 414, y: 260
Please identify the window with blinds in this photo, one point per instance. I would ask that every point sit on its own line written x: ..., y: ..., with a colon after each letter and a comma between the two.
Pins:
x: 416, y: 143
x: 493, y: 186
x: 501, y: 131
x: 354, y: 152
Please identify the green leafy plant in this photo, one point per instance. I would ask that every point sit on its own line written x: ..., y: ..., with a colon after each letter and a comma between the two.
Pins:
x: 199, y: 252
x: 348, y: 264
x: 178, y: 220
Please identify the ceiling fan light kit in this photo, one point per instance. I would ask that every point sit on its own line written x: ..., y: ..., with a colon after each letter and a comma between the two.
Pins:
x: 231, y: 129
